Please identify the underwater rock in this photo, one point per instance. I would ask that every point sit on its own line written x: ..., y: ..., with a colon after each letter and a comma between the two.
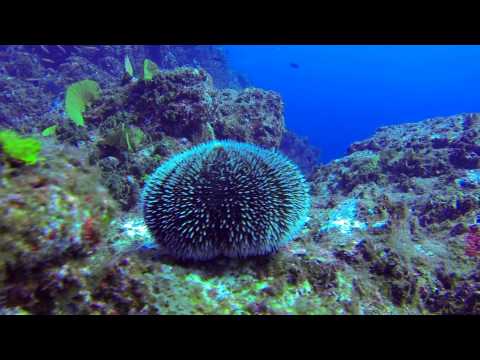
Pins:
x: 182, y: 102
x: 415, y: 189
x: 389, y: 231
x: 453, y: 294
x: 252, y: 115
x: 173, y: 111
x: 33, y: 78
x: 300, y: 151
x: 380, y: 228
x: 211, y: 58
x: 53, y: 212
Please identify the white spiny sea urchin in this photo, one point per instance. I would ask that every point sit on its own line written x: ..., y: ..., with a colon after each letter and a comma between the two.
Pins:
x: 225, y: 198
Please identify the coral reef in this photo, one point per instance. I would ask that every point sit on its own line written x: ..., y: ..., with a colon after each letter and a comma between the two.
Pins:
x: 393, y: 226
x: 376, y: 243
x: 33, y: 78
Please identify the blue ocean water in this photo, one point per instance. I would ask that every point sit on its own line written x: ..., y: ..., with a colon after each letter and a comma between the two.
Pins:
x: 339, y: 94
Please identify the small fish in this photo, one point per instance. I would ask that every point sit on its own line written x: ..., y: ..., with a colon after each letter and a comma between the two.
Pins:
x: 62, y: 49
x: 32, y: 79
x: 44, y: 49
x: 48, y: 60
x: 77, y: 48
x: 294, y: 65
x: 90, y: 48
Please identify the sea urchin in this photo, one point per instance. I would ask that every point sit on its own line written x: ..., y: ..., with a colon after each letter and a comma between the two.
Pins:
x: 225, y: 198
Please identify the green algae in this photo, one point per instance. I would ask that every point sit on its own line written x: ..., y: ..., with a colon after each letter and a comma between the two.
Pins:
x: 78, y: 96
x: 24, y: 149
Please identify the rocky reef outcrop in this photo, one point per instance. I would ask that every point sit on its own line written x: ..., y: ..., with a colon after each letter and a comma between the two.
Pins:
x: 136, y: 123
x: 411, y: 191
x: 134, y: 127
x: 33, y: 78
x: 393, y: 227
x: 80, y: 254
x: 54, y: 216
x: 388, y: 234
x: 300, y: 151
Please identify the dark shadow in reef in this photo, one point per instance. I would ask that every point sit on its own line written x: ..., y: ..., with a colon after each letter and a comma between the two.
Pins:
x: 215, y: 267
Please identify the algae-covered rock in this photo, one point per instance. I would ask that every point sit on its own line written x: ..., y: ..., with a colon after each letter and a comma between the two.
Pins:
x: 141, y: 123
x: 415, y: 193
x: 53, y: 212
x: 252, y: 115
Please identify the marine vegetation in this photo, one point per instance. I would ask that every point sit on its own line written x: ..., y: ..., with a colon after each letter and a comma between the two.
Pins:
x: 128, y: 66
x: 51, y: 130
x: 128, y: 138
x: 79, y: 95
x: 150, y: 69
x: 24, y: 149
x: 225, y: 198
